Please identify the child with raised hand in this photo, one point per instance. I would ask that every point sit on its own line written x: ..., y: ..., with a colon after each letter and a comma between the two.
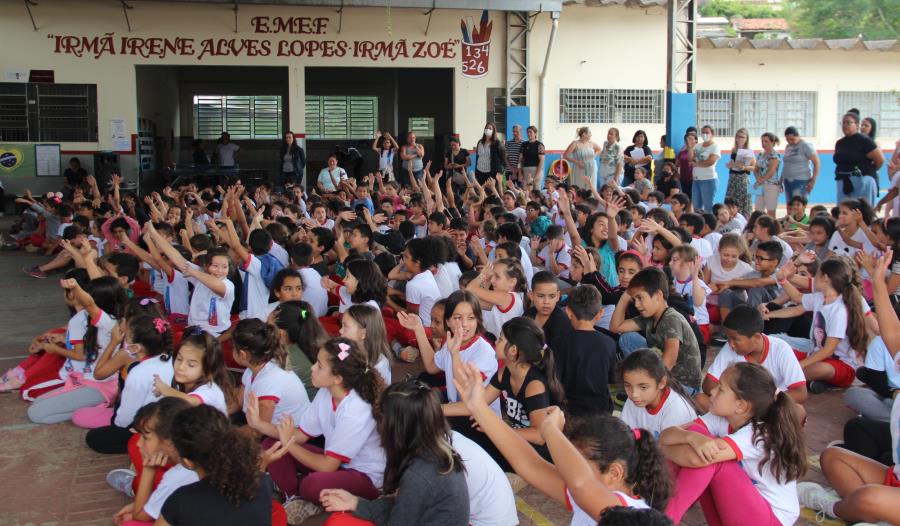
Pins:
x: 746, y: 343
x: 214, y: 294
x: 364, y: 324
x: 505, y: 299
x: 464, y: 342
x: 301, y: 333
x: 656, y: 401
x: 838, y: 336
x: 89, y: 338
x: 268, y: 392
x: 153, y: 424
x: 200, y: 376
x: 424, y: 477
x: 148, y: 341
x: 685, y: 265
x: 343, y: 413
x: 527, y: 382
x: 741, y: 460
x: 602, y: 464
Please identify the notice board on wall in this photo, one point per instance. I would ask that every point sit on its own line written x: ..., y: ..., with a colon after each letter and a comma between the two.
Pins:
x: 46, y: 158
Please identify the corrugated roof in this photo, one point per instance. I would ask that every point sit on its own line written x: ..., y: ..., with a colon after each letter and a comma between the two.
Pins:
x: 846, y: 44
x: 760, y: 24
x: 629, y: 3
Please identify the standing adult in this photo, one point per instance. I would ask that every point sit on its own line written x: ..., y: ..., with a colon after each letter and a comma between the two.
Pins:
x: 683, y: 161
x: 412, y: 154
x: 227, y: 151
x: 581, y: 153
x: 638, y: 155
x: 293, y: 160
x: 386, y: 147
x: 75, y: 175
x: 513, y: 149
x: 767, y: 184
x: 612, y: 160
x: 456, y: 164
x: 795, y: 173
x: 491, y: 157
x: 869, y: 127
x: 531, y: 159
x: 857, y: 159
x: 704, y: 157
x: 739, y: 167
x: 199, y: 156
x: 331, y: 177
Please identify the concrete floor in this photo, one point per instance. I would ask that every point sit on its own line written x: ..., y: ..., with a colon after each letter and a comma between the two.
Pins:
x: 48, y: 477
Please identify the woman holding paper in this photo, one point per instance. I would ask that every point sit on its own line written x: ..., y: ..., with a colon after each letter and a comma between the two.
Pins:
x: 740, y: 166
x: 768, y: 183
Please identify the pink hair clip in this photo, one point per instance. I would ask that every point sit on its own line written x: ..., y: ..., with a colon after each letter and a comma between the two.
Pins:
x: 345, y: 351
x: 160, y: 324
x: 637, y: 433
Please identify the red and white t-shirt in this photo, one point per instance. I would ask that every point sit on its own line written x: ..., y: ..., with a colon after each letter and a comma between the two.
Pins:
x: 498, y: 315
x: 177, y: 294
x: 212, y: 395
x: 282, y: 387
x: 209, y: 310
x: 673, y: 410
x: 581, y: 517
x: 350, y: 431
x: 686, y: 288
x: 171, y: 480
x: 477, y: 351
x: 423, y: 291
x: 778, y: 358
x: 491, y: 500
x: 562, y: 256
x: 76, y: 328
x: 255, y: 288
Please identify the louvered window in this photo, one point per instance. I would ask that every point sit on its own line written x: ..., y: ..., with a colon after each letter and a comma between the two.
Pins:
x: 341, y: 117
x: 242, y: 116
x: 33, y: 112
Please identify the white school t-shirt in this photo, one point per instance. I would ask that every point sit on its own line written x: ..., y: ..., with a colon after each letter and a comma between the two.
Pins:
x: 477, y: 351
x: 491, y: 499
x: 76, y: 328
x: 778, y: 358
x: 282, y: 387
x: 703, y: 247
x: 525, y: 260
x: 104, y: 324
x: 280, y: 254
x: 686, y: 288
x: 497, y: 315
x: 212, y: 395
x: 209, y: 310
x: 839, y: 248
x: 172, y: 479
x: 383, y: 366
x: 423, y: 291
x: 719, y: 274
x: 447, y: 278
x: 255, y: 289
x: 345, y: 300
x: 781, y: 496
x: 581, y: 517
x: 713, y: 239
x: 313, y: 291
x: 563, y: 259
x: 177, y: 294
x: 830, y: 321
x: 138, y: 389
x: 157, y: 279
x: 673, y: 410
x: 351, y: 434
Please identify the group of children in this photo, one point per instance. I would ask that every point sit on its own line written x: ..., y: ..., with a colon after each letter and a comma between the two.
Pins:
x: 266, y: 354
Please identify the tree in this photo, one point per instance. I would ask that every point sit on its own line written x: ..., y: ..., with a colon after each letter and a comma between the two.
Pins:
x: 873, y: 19
x: 731, y: 8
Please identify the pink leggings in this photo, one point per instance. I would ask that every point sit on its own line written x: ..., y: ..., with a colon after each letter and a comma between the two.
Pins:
x: 724, y: 490
x: 296, y: 479
x: 137, y: 523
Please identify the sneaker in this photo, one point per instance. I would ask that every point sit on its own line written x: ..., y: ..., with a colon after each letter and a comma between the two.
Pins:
x: 298, y: 510
x: 34, y: 272
x: 818, y: 499
x: 121, y: 479
x: 817, y: 387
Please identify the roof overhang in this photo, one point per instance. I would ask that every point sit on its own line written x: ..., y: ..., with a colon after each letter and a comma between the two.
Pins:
x: 492, y: 5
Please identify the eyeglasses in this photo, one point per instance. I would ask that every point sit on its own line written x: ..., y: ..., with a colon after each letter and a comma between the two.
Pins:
x: 763, y: 258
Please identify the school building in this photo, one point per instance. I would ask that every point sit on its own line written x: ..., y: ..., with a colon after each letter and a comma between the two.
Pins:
x: 127, y: 86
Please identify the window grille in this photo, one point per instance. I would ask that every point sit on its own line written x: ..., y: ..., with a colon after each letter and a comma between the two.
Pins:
x: 883, y: 106
x: 592, y: 106
x: 242, y: 116
x: 341, y: 117
x: 758, y: 111
x: 32, y: 112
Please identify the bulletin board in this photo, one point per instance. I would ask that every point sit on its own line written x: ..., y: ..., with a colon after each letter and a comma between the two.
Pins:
x: 46, y: 160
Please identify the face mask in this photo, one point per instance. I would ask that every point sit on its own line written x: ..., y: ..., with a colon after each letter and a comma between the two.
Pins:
x: 706, y: 137
x: 488, y: 132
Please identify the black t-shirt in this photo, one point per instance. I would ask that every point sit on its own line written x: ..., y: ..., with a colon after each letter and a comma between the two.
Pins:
x: 586, y: 365
x: 531, y: 152
x: 557, y: 324
x: 517, y: 406
x: 74, y: 177
x: 458, y: 158
x: 201, y: 504
x: 666, y: 186
x: 850, y: 152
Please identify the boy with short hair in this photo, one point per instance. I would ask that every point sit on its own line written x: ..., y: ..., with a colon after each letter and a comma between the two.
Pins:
x: 746, y: 342
x: 693, y: 223
x: 796, y: 216
x: 586, y: 358
x: 661, y: 326
x: 545, y: 310
x: 680, y: 204
x: 555, y: 255
x: 755, y: 287
x: 313, y: 292
x: 734, y: 211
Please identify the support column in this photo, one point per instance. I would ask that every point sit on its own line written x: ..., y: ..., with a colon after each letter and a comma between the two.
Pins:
x: 681, y: 97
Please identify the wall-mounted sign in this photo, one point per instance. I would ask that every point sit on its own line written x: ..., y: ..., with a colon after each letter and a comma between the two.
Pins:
x: 476, y: 45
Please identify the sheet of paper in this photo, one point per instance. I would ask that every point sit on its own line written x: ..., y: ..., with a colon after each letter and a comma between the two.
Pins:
x: 121, y: 140
x: 46, y: 157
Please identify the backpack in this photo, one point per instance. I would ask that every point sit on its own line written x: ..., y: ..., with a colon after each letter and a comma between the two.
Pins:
x: 270, y: 267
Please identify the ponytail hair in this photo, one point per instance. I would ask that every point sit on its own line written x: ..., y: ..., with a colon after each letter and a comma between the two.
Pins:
x: 529, y: 341
x: 650, y: 362
x: 260, y: 341
x: 774, y: 420
x: 514, y: 270
x: 109, y: 295
x: 376, y: 342
x: 350, y: 362
x: 205, y: 437
x: 154, y: 334
x: 213, y: 361
x: 845, y: 279
x: 303, y: 329
x: 605, y: 439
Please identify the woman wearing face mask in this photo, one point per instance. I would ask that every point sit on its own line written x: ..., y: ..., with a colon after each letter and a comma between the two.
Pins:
x: 857, y: 159
x: 491, y: 155
x: 703, y: 157
x: 581, y: 153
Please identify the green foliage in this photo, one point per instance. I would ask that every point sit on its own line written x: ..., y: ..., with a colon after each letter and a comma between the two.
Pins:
x: 730, y: 8
x: 873, y: 19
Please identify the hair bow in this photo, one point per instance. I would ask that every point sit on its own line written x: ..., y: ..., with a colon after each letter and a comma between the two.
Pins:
x: 56, y: 197
x: 637, y: 433
x: 148, y: 301
x: 160, y: 324
x: 303, y: 315
x: 345, y: 351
